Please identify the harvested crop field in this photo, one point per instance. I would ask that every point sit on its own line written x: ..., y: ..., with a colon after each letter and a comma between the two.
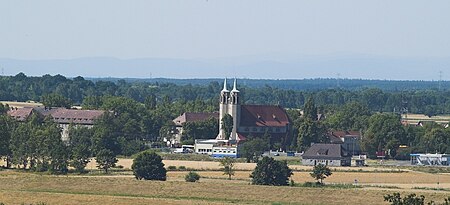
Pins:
x: 121, y: 188
x: 19, y: 187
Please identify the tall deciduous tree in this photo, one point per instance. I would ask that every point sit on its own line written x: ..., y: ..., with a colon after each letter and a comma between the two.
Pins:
x: 253, y: 148
x: 310, y: 110
x: 7, y: 126
x: 20, y: 146
x: 310, y: 132
x: 227, y: 125
x: 80, y: 147
x: 269, y: 171
x: 385, y: 133
x: 149, y: 166
x: 106, y: 159
x: 56, y: 100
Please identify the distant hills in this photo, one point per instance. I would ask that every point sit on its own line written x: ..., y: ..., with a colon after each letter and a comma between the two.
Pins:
x: 253, y: 67
x: 298, y: 73
x: 305, y: 84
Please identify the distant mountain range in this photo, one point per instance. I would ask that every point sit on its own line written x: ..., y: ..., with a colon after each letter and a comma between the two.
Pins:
x: 254, y: 67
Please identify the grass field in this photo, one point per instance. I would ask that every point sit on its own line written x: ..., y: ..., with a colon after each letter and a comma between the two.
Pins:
x: 23, y: 187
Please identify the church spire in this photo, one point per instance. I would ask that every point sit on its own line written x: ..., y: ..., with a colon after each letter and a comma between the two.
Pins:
x: 225, y: 86
x: 235, y: 86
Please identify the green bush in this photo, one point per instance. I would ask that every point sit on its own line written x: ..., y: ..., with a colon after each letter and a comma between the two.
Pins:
x: 192, y: 177
x: 182, y: 168
x: 172, y: 168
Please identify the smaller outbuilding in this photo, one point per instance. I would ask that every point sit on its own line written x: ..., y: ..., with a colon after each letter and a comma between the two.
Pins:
x: 327, y: 154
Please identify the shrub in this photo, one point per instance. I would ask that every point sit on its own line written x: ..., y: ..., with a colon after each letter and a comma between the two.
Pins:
x: 182, y: 168
x: 192, y: 177
x: 148, y: 165
x: 172, y: 168
x: 269, y: 171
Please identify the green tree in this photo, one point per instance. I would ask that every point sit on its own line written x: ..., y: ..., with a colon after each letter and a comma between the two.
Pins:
x: 227, y: 125
x: 228, y: 166
x: 58, y: 152
x: 310, y: 109
x: 269, y: 171
x: 149, y: 166
x: 80, y: 147
x: 20, y: 146
x: 385, y: 132
x: 56, y: 100
x: 105, y: 159
x: 206, y: 129
x: 320, y: 172
x: 7, y: 126
x: 311, y: 132
x: 253, y: 148
x: 351, y: 116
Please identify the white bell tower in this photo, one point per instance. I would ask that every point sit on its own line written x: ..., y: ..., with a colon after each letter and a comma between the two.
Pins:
x: 234, y: 109
x: 223, y: 108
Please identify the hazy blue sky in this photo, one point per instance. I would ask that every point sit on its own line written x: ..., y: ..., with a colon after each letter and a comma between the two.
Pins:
x: 227, y: 31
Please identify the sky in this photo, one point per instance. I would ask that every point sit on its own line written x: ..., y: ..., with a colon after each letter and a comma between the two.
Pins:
x: 231, y: 37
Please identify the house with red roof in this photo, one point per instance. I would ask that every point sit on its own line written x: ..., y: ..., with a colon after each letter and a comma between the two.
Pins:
x: 64, y: 117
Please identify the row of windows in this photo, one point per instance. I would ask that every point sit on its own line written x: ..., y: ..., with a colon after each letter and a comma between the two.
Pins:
x: 85, y: 119
x: 204, y: 150
x: 262, y: 129
x: 224, y: 151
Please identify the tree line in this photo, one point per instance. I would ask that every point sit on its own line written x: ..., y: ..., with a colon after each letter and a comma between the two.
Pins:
x: 140, y: 115
x: 49, y: 89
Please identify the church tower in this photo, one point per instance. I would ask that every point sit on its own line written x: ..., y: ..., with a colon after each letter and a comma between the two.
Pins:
x: 234, y: 109
x: 223, y: 108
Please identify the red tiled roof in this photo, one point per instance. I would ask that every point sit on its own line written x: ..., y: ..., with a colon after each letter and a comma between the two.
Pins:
x: 20, y: 114
x: 59, y: 115
x: 194, y: 117
x: 337, y: 136
x: 62, y: 115
x: 263, y: 115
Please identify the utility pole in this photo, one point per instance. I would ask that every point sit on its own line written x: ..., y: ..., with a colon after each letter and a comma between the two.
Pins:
x: 440, y: 79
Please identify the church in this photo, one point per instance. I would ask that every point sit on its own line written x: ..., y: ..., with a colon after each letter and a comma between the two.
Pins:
x: 248, y: 120
x: 251, y: 120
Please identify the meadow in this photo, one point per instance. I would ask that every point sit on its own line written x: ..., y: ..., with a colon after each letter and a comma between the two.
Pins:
x: 122, y: 188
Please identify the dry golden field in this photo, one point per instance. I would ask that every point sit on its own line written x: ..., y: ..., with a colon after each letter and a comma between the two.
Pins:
x: 210, y: 165
x: 18, y: 187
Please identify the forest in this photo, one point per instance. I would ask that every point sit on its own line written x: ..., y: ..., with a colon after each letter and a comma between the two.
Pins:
x: 141, y: 115
x: 421, y: 97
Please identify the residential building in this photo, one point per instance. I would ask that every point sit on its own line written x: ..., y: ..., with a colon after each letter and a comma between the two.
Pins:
x: 64, y: 117
x: 327, y: 154
x: 350, y: 140
x: 175, y: 141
